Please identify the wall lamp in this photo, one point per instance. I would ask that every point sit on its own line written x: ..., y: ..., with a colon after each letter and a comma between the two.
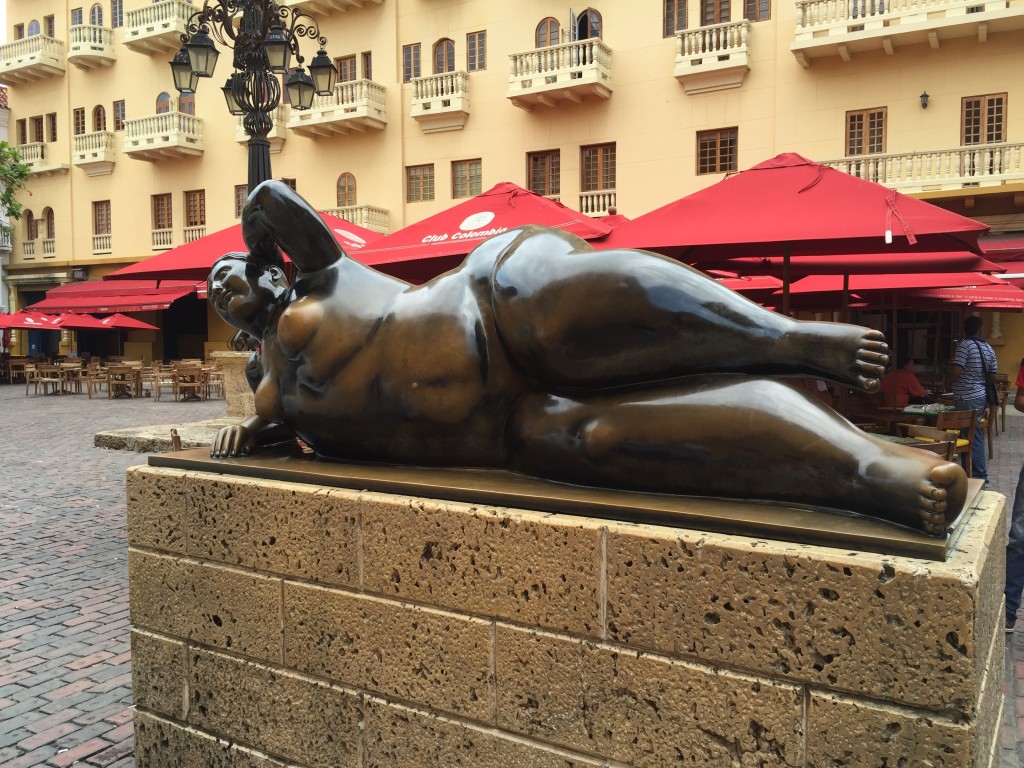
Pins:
x: 924, y: 100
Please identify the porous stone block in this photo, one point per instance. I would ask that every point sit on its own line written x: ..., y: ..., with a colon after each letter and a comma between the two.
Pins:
x: 157, y: 500
x: 642, y: 709
x: 306, y: 721
x: 435, y: 658
x: 527, y: 567
x: 843, y: 732
x: 210, y: 604
x: 286, y: 528
x: 400, y: 737
x: 909, y: 631
x: 159, y: 674
x: 163, y: 744
x: 240, y: 401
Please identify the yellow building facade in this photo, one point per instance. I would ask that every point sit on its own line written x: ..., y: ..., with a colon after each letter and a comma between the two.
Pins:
x: 628, y: 104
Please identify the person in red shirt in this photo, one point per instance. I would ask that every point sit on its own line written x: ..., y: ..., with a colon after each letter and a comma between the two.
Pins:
x: 901, y: 384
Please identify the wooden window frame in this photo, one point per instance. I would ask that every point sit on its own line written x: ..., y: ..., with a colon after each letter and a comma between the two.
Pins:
x: 673, y: 17
x: 719, y: 167
x: 241, y: 196
x: 548, y: 29
x: 345, y: 190
x: 99, y: 118
x: 443, y: 56
x: 552, y: 171
x: 757, y: 10
x: 411, y: 54
x: 715, y: 12
x: 36, y: 129
x: 51, y: 127
x: 119, y: 115
x: 116, y: 14
x: 50, y: 25
x: 77, y: 17
x: 476, y: 51
x: 50, y: 222
x: 195, y: 207
x: 463, y: 182
x: 101, y: 218
x: 346, y: 66
x: 21, y: 130
x: 366, y: 60
x: 866, y: 116
x: 987, y: 102
x: 78, y: 121
x: 96, y: 15
x: 421, y: 177
x: 604, y: 167
x: 162, y: 206
x: 19, y: 31
x: 594, y: 22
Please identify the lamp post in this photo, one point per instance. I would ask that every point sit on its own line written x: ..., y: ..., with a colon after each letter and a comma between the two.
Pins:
x: 263, y: 36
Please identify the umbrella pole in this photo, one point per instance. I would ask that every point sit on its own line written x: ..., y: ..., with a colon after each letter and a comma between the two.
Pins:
x: 785, y: 280
x: 844, y: 313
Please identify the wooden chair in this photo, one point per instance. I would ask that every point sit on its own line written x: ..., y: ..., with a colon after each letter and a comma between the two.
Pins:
x: 95, y: 377
x: 73, y: 375
x: 30, y: 372
x: 931, y: 439
x: 1003, y: 390
x: 121, y: 381
x: 51, y: 379
x: 965, y: 423
x: 163, y: 378
x: 214, y: 382
x: 188, y: 383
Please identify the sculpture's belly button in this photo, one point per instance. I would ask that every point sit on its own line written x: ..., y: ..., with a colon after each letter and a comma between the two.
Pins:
x: 298, y: 324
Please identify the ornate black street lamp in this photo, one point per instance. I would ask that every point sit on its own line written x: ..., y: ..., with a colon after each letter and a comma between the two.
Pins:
x: 264, y: 36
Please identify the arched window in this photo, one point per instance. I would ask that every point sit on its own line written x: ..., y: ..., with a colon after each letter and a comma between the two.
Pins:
x: 96, y: 15
x: 588, y: 24
x: 163, y: 103
x: 547, y: 32
x: 99, y: 118
x: 33, y: 28
x: 31, y: 230
x: 346, y: 190
x: 187, y: 103
x: 48, y: 218
x: 444, y: 56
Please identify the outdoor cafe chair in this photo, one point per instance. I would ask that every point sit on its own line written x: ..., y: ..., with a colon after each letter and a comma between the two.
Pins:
x: 73, y: 375
x: 188, y: 382
x: 122, y: 381
x: 163, y: 378
x: 1003, y: 390
x: 965, y: 424
x: 927, y: 438
x: 49, y: 376
x: 94, y: 378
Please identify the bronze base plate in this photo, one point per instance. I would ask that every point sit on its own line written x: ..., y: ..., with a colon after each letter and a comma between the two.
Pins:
x: 506, y: 489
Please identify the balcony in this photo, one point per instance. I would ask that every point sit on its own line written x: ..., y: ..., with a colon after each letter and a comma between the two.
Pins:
x: 354, y: 106
x: 981, y: 165
x: 94, y: 152
x: 167, y: 135
x: 712, y: 58
x: 366, y: 216
x: 324, y: 7
x: 828, y: 28
x: 102, y: 244
x: 598, y: 202
x: 28, y: 250
x: 163, y: 239
x: 34, y: 155
x: 91, y: 47
x: 33, y: 58
x: 441, y: 102
x: 567, y: 72
x: 49, y: 248
x: 194, y: 232
x: 157, y: 28
x: 277, y: 135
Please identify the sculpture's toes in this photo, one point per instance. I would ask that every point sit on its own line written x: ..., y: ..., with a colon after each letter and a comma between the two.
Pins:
x: 870, y: 359
x: 942, y: 495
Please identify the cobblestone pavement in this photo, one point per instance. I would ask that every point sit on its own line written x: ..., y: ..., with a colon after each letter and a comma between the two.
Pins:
x: 65, y: 685
x: 65, y: 675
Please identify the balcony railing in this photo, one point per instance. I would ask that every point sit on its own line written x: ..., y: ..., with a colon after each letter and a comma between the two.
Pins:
x: 32, y: 58
x: 157, y: 28
x: 5, y: 235
x: 169, y: 134
x: 163, y: 239
x: 277, y: 135
x: 28, y: 250
x: 597, y: 203
x: 980, y: 165
x: 441, y: 102
x: 846, y: 27
x: 49, y: 248
x: 34, y: 155
x: 91, y: 47
x: 354, y: 105
x: 366, y: 216
x: 101, y: 244
x: 94, y: 152
x: 713, y: 58
x: 567, y: 72
x: 194, y: 233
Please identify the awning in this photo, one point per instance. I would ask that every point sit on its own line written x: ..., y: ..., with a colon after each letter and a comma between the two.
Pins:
x: 120, y: 296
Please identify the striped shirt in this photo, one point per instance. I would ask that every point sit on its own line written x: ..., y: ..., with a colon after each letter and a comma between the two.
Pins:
x: 969, y: 356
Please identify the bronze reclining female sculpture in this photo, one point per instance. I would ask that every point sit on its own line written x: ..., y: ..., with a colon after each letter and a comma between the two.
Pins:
x: 617, y: 368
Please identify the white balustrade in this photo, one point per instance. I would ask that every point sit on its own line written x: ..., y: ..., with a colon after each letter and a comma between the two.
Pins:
x: 89, y: 35
x: 712, y: 40
x: 561, y: 58
x: 49, y: 248
x: 163, y: 239
x: 35, y: 46
x: 97, y: 141
x: 366, y: 216
x: 101, y: 244
x: 441, y: 86
x: 28, y: 250
x: 34, y: 152
x: 159, y: 13
x: 194, y: 233
x: 164, y: 123
x: 598, y: 202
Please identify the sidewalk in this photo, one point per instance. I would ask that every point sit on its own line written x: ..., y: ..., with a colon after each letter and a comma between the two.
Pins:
x: 65, y: 683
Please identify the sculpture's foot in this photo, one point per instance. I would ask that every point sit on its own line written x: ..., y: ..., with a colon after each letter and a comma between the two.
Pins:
x: 933, y: 498
x: 847, y: 354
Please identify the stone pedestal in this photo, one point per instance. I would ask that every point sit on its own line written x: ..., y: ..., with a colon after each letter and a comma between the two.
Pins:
x: 238, y: 394
x: 279, y: 623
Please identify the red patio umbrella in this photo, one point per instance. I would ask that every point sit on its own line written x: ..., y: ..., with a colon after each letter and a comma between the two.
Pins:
x: 438, y: 243
x: 27, y: 320
x: 863, y: 264
x: 991, y: 296
x: 76, y: 322
x: 119, y: 321
x: 192, y: 261
x: 862, y: 283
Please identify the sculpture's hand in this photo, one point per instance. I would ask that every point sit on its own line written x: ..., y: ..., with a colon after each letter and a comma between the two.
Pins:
x: 236, y: 440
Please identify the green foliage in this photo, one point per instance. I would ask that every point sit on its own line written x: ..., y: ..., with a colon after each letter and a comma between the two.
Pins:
x: 13, y: 173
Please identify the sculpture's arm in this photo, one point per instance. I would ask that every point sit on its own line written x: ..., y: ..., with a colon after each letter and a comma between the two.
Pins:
x: 240, y: 439
x: 275, y: 216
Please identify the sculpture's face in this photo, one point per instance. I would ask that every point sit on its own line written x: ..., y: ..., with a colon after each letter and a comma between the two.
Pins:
x: 243, y: 291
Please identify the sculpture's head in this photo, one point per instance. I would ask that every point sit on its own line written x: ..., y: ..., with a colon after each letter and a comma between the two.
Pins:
x: 244, y: 291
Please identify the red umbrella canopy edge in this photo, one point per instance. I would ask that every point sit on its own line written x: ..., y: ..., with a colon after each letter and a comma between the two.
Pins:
x: 798, y: 206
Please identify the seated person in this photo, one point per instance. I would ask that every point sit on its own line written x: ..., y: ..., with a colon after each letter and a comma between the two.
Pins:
x: 617, y: 368
x: 901, y: 386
